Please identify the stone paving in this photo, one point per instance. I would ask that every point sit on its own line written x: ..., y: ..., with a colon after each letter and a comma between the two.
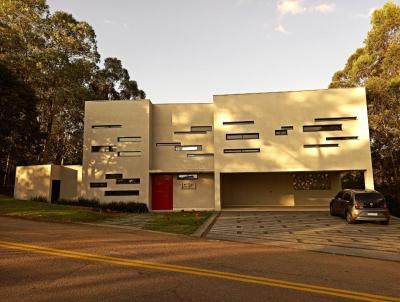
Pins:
x: 316, y: 231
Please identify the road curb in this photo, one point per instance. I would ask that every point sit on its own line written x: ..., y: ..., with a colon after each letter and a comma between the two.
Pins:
x: 206, y: 226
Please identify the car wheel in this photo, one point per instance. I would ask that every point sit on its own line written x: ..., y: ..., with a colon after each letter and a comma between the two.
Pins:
x: 331, y: 210
x: 385, y: 222
x: 349, y: 218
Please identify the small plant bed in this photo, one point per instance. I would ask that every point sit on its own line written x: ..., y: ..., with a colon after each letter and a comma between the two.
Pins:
x: 185, y: 223
x: 49, y: 212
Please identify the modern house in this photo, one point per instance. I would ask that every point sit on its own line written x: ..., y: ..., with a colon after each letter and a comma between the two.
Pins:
x: 242, y: 150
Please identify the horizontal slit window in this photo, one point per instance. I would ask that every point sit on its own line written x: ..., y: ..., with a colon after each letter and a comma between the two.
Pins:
x: 128, y: 181
x: 187, y: 176
x: 168, y: 144
x: 238, y: 123
x: 104, y: 149
x: 98, y: 184
x: 321, y: 145
x: 287, y: 127
x: 188, y: 148
x: 129, y: 138
x: 200, y: 128
x: 122, y: 193
x: 235, y: 136
x: 281, y: 132
x: 106, y: 126
x: 113, y: 175
x: 129, y: 153
x: 200, y: 154
x: 315, y: 128
x: 190, y: 132
x: 340, y: 118
x: 341, y: 138
x: 248, y: 150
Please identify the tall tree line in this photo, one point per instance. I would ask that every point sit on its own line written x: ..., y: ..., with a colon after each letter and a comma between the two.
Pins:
x: 49, y: 67
x: 376, y: 66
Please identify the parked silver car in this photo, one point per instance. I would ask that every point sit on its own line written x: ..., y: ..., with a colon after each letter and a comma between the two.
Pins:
x: 357, y: 205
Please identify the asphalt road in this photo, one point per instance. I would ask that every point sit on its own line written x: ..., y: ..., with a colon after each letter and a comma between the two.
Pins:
x: 65, y: 262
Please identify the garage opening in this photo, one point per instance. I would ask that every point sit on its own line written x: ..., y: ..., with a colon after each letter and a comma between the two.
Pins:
x: 288, y: 189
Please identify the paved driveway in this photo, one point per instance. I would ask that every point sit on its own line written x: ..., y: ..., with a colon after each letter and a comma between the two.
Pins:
x: 316, y: 231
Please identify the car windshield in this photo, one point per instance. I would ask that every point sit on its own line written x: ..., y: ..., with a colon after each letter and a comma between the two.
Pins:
x: 368, y: 197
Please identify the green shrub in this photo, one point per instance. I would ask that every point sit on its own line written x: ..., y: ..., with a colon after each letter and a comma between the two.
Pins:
x: 39, y: 199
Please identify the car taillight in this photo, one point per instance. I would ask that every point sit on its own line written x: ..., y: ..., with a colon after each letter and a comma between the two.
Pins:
x: 358, y: 205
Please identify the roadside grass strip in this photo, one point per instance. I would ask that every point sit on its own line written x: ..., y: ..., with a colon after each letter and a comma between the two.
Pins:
x: 202, y: 272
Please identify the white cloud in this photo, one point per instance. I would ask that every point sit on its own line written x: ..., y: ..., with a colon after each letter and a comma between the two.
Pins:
x: 324, y: 8
x: 292, y: 7
x: 281, y: 29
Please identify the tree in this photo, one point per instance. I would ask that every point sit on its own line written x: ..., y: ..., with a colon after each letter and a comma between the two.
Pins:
x: 113, y: 82
x: 377, y: 67
x: 17, y: 114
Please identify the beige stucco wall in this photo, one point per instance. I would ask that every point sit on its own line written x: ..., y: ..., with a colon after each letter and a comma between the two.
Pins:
x: 78, y: 169
x: 134, y: 118
x: 270, y: 111
x: 32, y: 181
x: 169, y: 118
x: 200, y: 197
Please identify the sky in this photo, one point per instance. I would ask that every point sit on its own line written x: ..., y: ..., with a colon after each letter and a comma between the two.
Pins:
x: 190, y: 50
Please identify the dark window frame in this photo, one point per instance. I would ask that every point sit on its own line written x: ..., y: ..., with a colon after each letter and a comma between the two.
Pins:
x: 190, y: 132
x: 341, y: 138
x: 340, y: 118
x: 327, y: 127
x: 242, y: 150
x: 111, y: 148
x: 200, y: 155
x: 106, y: 126
x: 113, y: 175
x: 98, y: 185
x: 238, y: 123
x: 287, y: 127
x: 187, y: 176
x: 241, y: 136
x: 127, y: 181
x: 168, y: 144
x: 279, y: 132
x: 207, y: 128
x: 139, y: 153
x: 321, y: 145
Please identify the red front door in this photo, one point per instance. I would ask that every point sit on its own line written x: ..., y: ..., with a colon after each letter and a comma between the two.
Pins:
x: 162, y: 192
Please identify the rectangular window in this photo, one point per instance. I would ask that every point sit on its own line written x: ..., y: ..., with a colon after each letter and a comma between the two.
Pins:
x: 129, y: 138
x: 128, y: 181
x: 188, y: 148
x: 190, y: 132
x: 287, y: 127
x: 168, y: 144
x: 187, y: 176
x: 248, y: 150
x: 315, y: 128
x: 200, y: 154
x: 122, y: 193
x: 106, y: 126
x: 236, y: 136
x: 341, y: 138
x: 281, y: 132
x: 321, y: 145
x: 341, y: 118
x: 113, y: 175
x: 238, y: 123
x: 129, y: 153
x: 200, y: 128
x: 104, y: 149
x: 98, y: 184
x: 311, y: 181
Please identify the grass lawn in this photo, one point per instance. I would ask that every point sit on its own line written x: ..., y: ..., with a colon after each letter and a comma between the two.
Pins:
x: 179, y: 222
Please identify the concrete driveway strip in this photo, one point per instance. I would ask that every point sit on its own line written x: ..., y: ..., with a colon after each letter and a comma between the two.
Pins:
x: 27, y: 274
x: 317, y: 231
